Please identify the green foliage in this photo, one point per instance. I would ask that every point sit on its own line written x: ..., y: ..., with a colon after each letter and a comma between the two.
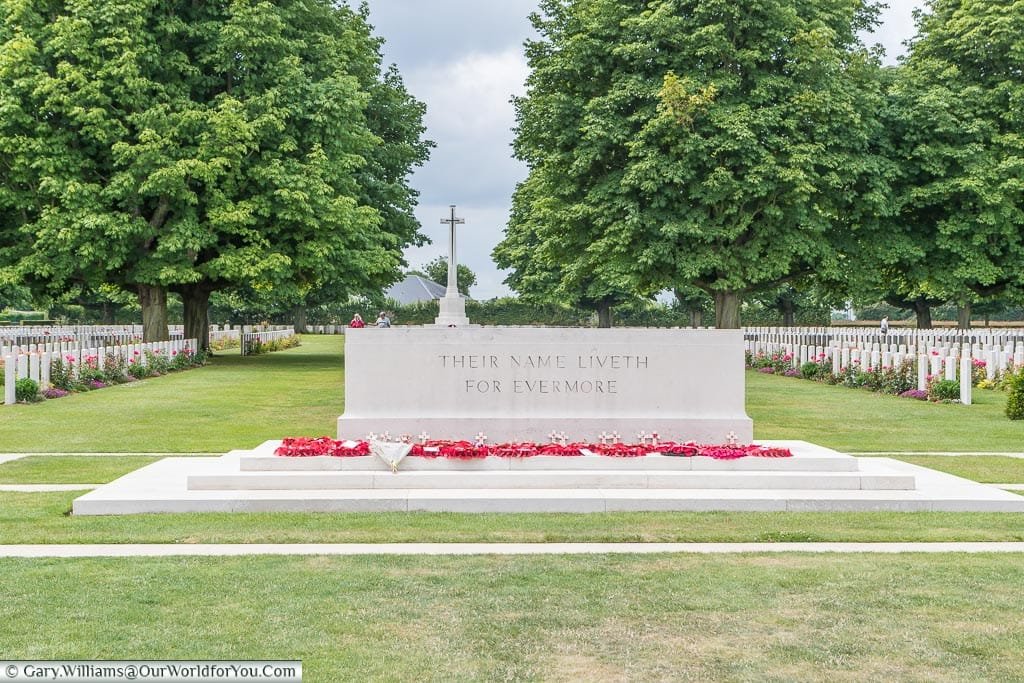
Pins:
x: 198, y: 146
x: 1015, y: 399
x: 944, y: 390
x: 26, y: 390
x: 692, y: 143
x: 815, y: 371
x: 437, y: 270
x: 953, y: 116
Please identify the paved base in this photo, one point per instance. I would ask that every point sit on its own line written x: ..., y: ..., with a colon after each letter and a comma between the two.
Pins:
x: 238, y: 549
x: 817, y: 479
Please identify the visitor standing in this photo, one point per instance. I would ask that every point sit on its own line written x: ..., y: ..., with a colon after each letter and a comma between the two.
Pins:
x: 884, y: 327
x: 357, y: 321
x: 383, y: 320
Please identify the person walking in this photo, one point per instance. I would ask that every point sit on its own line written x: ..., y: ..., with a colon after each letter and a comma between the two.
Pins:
x: 383, y: 320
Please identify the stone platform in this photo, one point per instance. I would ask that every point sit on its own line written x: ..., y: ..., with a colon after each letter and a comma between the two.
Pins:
x: 815, y: 479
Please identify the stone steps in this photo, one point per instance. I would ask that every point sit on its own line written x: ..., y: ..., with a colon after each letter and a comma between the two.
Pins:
x: 550, y: 479
x: 817, y: 479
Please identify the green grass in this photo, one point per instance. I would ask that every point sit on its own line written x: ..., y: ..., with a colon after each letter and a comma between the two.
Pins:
x: 858, y: 420
x: 568, y: 618
x: 988, y: 469
x: 47, y: 469
x: 233, y: 402
x: 43, y: 518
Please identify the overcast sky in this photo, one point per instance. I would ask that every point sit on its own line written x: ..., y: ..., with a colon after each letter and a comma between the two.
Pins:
x: 464, y: 58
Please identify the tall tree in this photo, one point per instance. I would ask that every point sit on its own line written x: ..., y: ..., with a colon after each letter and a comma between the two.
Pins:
x: 955, y: 114
x: 437, y: 270
x: 197, y: 146
x: 707, y: 143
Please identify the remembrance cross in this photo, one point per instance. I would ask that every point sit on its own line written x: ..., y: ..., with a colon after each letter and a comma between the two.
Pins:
x: 452, y: 307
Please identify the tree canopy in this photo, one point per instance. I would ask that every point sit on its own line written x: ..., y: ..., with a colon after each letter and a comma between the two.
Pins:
x: 956, y: 116
x: 694, y: 143
x: 194, y: 147
x: 437, y: 270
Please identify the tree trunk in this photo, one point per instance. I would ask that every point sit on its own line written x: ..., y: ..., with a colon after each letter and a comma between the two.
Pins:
x: 788, y: 313
x: 924, y: 314
x: 196, y: 301
x: 300, y: 319
x: 963, y: 315
x: 727, y: 310
x: 696, y: 317
x: 108, y: 314
x: 153, y: 300
x: 604, y: 315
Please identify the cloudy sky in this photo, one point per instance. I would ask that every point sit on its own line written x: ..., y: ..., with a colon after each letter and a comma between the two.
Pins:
x: 464, y: 58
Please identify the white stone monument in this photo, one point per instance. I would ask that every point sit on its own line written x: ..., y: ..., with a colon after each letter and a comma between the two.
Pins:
x: 521, y: 384
x: 452, y: 307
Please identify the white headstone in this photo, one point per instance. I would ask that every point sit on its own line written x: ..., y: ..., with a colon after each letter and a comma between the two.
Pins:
x: 965, y: 380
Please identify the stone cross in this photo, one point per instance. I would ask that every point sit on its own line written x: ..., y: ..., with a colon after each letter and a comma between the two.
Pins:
x: 453, y: 283
x: 423, y: 436
x: 481, y: 439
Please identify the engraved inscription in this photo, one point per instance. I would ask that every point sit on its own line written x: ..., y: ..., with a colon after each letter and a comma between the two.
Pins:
x: 553, y: 385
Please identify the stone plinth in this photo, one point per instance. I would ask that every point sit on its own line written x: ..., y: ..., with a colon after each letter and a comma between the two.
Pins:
x: 451, y: 312
x: 520, y: 384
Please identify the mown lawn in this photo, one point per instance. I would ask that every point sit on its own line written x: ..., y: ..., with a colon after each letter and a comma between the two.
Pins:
x: 558, y: 618
x: 44, y: 518
x: 233, y: 402
x: 51, y: 469
x: 857, y: 420
x: 988, y: 469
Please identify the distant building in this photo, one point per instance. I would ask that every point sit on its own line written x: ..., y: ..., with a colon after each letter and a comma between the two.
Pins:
x: 415, y: 289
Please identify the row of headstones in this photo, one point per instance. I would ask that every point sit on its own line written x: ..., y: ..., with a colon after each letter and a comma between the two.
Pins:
x: 250, y: 338
x: 937, y: 363
x: 36, y: 365
x: 862, y: 337
x: 997, y: 359
x: 62, y: 345
x: 327, y: 329
x: 70, y: 329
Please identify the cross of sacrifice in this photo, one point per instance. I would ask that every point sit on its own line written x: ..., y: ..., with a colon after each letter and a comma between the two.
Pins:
x: 453, y: 283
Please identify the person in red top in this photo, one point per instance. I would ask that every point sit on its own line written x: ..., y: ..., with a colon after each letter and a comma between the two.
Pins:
x: 357, y: 321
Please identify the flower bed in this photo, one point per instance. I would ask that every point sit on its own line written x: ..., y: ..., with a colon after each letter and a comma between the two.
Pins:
x: 301, y: 447
x: 89, y: 375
